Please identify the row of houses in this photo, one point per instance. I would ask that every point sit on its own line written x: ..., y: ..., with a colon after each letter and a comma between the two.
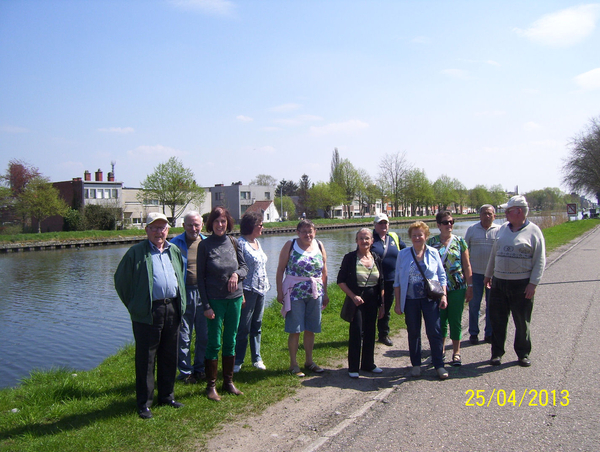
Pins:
x: 93, y: 189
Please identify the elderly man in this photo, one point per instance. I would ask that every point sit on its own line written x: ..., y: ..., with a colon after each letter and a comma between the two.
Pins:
x: 193, y: 318
x: 516, y: 264
x: 150, y: 282
x: 386, y: 245
x: 480, y: 238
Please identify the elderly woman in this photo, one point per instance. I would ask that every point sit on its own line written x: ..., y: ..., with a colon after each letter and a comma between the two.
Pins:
x: 361, y: 278
x: 221, y: 267
x: 455, y: 256
x: 411, y: 298
x: 303, y: 292
x: 256, y: 285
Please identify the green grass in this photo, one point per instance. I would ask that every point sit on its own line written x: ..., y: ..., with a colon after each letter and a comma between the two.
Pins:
x: 563, y: 233
x: 95, y: 410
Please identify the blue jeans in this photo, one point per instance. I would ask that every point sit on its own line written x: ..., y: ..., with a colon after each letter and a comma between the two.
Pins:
x: 413, y: 309
x: 475, y: 306
x: 250, y: 324
x: 193, y: 318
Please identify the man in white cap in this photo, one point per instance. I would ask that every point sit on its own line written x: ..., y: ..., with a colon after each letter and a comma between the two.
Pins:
x: 150, y: 282
x: 386, y: 244
x: 513, y: 272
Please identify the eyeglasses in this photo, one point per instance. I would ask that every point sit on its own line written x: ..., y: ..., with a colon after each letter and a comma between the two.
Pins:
x: 259, y: 226
x: 447, y: 222
x: 158, y: 228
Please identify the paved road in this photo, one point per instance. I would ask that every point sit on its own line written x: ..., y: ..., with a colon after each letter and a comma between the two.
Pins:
x: 395, y: 412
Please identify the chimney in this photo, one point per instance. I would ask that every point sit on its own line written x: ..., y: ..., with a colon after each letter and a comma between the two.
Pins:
x: 77, y: 179
x: 87, y: 176
x: 99, y: 175
x: 111, y: 177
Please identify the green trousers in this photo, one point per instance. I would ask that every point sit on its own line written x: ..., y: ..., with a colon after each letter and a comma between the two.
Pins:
x: 453, y: 314
x: 222, y: 330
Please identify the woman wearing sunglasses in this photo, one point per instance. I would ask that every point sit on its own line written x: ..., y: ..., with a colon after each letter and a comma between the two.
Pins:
x: 455, y: 256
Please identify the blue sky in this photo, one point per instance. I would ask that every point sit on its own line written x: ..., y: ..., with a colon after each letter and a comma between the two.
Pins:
x: 485, y: 92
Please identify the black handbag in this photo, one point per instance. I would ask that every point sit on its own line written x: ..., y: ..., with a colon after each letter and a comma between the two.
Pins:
x: 433, y: 288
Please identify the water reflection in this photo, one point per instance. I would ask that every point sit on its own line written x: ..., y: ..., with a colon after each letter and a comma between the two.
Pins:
x: 60, y: 307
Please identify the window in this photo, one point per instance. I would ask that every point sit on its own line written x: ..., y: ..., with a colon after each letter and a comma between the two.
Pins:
x: 99, y: 193
x: 218, y: 196
x: 86, y: 193
x: 107, y: 193
x: 92, y: 193
x: 244, y: 195
x: 115, y: 193
x: 267, y: 195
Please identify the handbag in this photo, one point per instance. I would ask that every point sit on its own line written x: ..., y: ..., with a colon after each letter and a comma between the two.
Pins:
x: 349, y: 308
x: 433, y: 288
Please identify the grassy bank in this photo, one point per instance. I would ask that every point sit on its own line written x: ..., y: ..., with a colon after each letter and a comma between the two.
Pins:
x: 67, y: 410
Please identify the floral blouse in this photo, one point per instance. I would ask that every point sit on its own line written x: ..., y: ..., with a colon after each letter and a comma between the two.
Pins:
x: 256, y: 260
x: 303, y: 263
x: 452, y: 260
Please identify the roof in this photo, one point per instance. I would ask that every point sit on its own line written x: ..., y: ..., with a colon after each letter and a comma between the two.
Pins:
x: 259, y: 206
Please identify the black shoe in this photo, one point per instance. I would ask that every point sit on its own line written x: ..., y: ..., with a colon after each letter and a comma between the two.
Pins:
x: 524, y: 362
x: 488, y: 339
x: 145, y: 413
x: 189, y: 379
x: 474, y: 339
x: 171, y: 403
x: 386, y: 341
x: 199, y: 376
x: 495, y: 361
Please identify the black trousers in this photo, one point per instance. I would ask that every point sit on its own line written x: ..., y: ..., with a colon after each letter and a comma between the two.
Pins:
x: 157, y: 344
x: 362, y: 333
x: 383, y: 324
x: 508, y: 297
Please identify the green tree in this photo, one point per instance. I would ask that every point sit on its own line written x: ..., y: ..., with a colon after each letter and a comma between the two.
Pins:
x: 288, y: 210
x: 287, y: 188
x: 324, y: 196
x: 444, y: 193
x: 462, y: 194
x: 478, y: 196
x: 173, y: 185
x: 419, y: 191
x: 497, y: 195
x: 547, y: 199
x: 581, y: 169
x: 347, y: 178
x: 40, y: 200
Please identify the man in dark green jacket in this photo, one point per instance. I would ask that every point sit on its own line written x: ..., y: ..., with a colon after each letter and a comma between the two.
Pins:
x: 150, y: 282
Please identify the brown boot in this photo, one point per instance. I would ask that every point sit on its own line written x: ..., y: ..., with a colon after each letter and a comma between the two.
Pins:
x: 228, y: 363
x: 211, y: 366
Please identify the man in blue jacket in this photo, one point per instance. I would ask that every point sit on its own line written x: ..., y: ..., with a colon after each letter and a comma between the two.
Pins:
x: 193, y: 318
x: 150, y: 282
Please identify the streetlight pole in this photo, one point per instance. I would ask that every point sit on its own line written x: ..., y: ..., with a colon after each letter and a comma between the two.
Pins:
x: 281, y: 198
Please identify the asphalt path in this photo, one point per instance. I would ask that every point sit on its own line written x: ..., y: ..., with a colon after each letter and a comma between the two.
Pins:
x: 554, y: 405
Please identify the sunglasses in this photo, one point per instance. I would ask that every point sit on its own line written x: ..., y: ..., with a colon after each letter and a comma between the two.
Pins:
x: 447, y: 222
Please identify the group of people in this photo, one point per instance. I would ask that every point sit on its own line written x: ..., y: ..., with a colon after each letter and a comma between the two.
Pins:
x: 216, y: 285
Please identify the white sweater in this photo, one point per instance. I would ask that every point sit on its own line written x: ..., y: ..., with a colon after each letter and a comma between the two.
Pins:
x: 518, y: 255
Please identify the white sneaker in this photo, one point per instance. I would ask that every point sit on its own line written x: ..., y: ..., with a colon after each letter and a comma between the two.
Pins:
x: 415, y: 371
x: 260, y: 365
x: 236, y: 368
x: 377, y: 370
x: 353, y: 374
x: 442, y: 373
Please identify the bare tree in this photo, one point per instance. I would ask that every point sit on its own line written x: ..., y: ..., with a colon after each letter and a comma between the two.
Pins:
x: 581, y: 169
x: 263, y: 179
x: 393, y: 170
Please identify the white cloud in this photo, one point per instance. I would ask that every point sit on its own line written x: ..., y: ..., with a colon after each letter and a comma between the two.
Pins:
x: 563, y: 28
x: 13, y: 129
x: 121, y: 130
x: 285, y: 107
x: 157, y: 151
x: 529, y: 126
x: 589, y: 80
x: 339, y: 127
x: 218, y: 7
x: 244, y: 118
x: 456, y: 73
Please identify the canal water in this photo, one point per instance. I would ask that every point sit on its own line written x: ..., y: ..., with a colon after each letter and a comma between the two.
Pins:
x: 60, y: 308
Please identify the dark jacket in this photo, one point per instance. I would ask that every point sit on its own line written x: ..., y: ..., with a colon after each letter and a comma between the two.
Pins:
x: 133, y: 280
x: 347, y: 274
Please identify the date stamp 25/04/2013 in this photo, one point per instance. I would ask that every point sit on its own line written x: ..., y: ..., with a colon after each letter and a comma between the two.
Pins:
x: 529, y: 397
